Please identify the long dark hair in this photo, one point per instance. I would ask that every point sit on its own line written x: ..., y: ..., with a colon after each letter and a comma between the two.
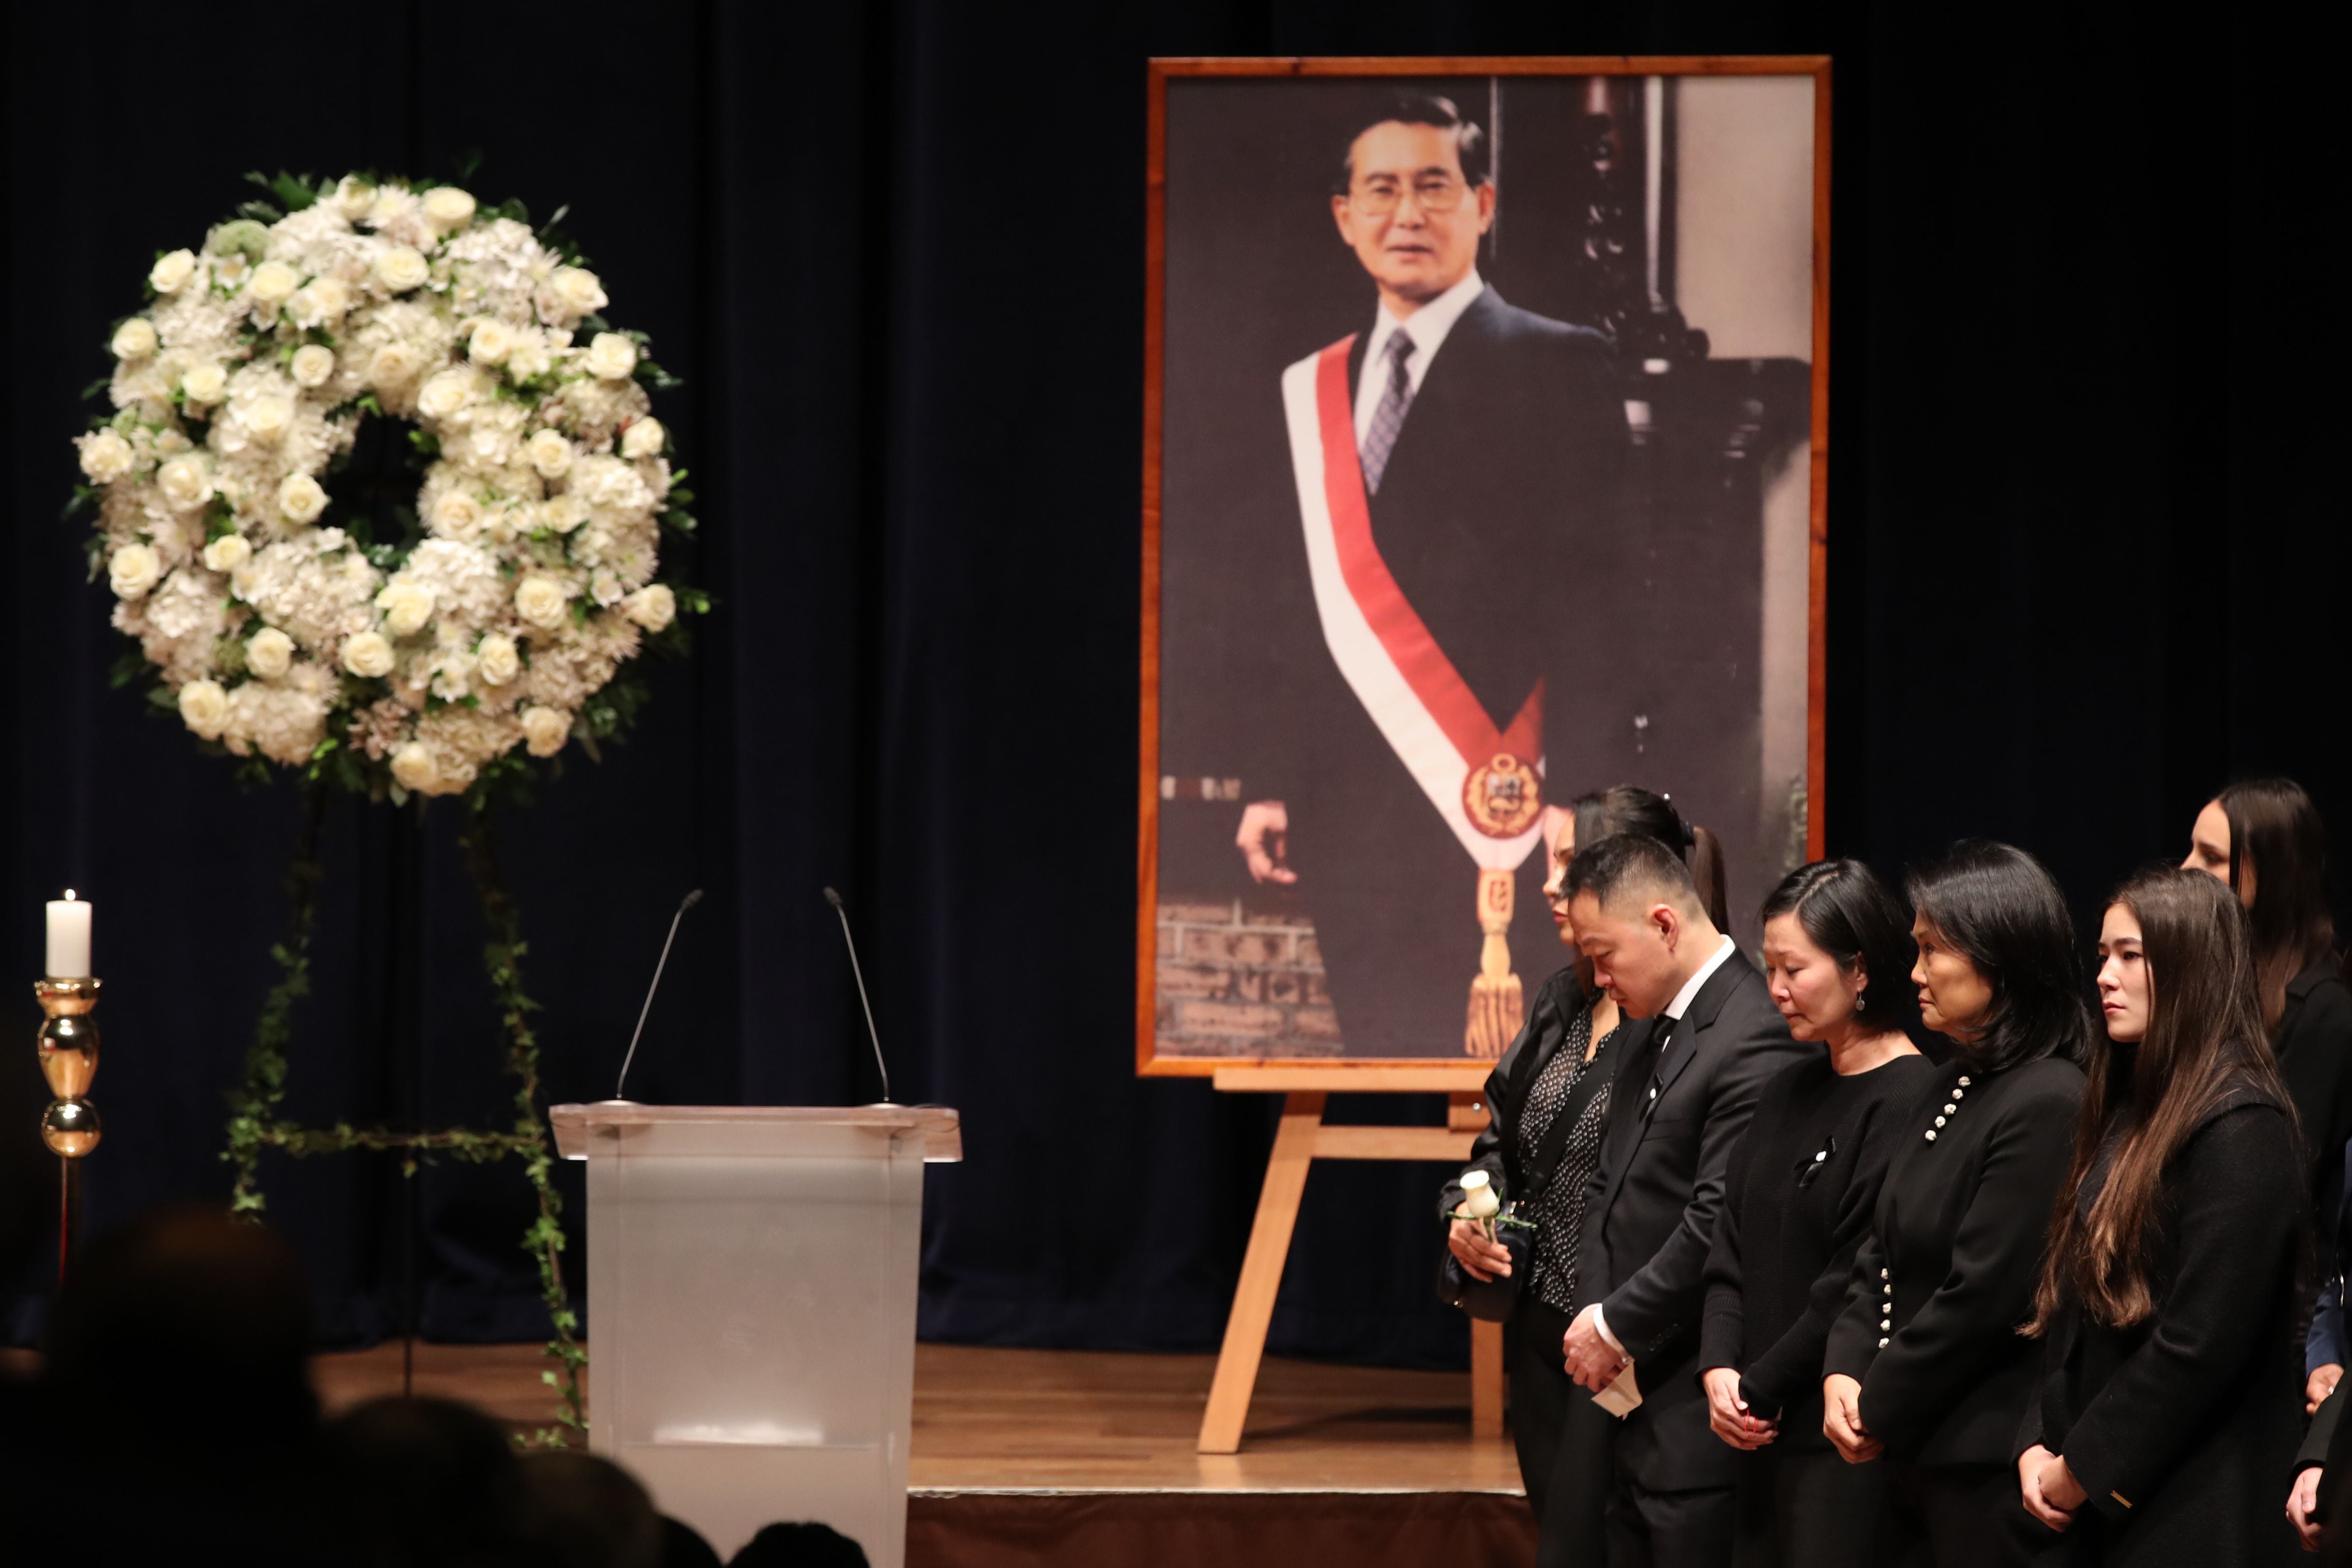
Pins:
x: 2003, y: 911
x: 1849, y: 914
x: 2275, y: 829
x: 2205, y: 1041
x: 1629, y: 808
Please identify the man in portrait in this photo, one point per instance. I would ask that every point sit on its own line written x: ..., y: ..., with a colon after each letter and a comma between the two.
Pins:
x: 1436, y: 594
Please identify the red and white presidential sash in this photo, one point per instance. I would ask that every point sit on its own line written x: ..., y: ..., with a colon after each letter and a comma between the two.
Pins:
x: 1483, y: 781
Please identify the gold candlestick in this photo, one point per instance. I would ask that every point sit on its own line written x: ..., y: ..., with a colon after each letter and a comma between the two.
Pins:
x: 68, y: 1050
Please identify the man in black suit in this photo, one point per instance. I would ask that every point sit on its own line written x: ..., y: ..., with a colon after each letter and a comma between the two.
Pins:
x: 1680, y: 1099
x: 1421, y: 665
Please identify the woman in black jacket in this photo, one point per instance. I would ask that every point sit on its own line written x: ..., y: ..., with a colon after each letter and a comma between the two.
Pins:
x: 1797, y: 1201
x: 2167, y: 1411
x: 1550, y: 1095
x: 1924, y: 1364
x: 2264, y: 838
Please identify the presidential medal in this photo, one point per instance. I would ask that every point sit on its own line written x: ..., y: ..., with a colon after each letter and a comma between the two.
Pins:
x: 1503, y: 795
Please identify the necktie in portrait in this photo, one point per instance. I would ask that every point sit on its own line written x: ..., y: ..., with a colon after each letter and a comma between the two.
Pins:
x: 1389, y: 418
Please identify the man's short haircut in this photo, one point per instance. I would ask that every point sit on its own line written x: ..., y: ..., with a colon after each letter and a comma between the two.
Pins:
x: 1627, y: 866
x: 1421, y: 109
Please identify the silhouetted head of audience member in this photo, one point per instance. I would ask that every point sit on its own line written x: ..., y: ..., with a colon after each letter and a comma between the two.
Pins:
x: 429, y: 1483
x: 799, y: 1546
x: 185, y: 1310
x: 583, y: 1510
x: 683, y: 1546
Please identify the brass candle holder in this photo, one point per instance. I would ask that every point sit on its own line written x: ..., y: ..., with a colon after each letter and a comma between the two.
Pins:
x: 68, y: 1050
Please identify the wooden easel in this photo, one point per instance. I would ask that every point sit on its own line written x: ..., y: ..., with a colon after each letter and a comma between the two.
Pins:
x: 1303, y: 1139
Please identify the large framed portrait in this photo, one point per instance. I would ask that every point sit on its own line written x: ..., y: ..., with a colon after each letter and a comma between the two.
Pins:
x: 1484, y: 446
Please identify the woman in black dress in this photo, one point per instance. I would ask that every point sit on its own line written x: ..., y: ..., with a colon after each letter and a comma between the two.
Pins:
x: 1557, y: 1072
x: 2167, y: 1410
x: 1798, y: 1199
x: 2265, y: 840
x: 1925, y: 1363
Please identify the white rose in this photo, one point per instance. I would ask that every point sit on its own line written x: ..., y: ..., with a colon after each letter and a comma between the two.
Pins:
x: 106, y: 457
x: 227, y: 552
x: 406, y: 607
x: 133, y: 570
x: 565, y: 513
x: 319, y: 302
x: 270, y: 652
x: 203, y: 385
x: 401, y: 269
x: 580, y: 291
x: 542, y: 601
x: 267, y: 416
x: 497, y: 661
x: 313, y: 364
x: 446, y: 393
x: 447, y: 208
x: 550, y: 454
x: 393, y: 365
x: 301, y: 498
x: 611, y: 357
x: 644, y: 438
x: 653, y: 607
x: 367, y: 653
x: 353, y: 197
x: 457, y: 515
x: 135, y: 338
x: 491, y: 342
x: 184, y: 483
x: 545, y: 729
x: 413, y: 767
x: 274, y: 282
x: 171, y: 273
x: 203, y: 708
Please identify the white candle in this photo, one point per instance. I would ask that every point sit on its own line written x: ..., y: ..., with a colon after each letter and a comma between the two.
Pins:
x: 68, y: 938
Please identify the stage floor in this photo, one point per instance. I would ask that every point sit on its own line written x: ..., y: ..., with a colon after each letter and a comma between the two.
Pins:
x: 1079, y: 1421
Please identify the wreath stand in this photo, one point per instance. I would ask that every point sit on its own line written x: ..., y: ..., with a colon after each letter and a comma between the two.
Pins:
x: 1303, y: 1138
x: 254, y: 1123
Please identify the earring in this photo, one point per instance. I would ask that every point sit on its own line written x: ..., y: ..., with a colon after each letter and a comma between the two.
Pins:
x: 1860, y: 1000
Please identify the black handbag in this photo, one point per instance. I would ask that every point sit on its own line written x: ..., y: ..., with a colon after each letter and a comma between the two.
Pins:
x: 1492, y: 1300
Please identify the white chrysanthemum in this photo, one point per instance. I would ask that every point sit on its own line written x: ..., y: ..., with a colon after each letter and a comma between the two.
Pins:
x: 465, y: 581
x: 317, y: 599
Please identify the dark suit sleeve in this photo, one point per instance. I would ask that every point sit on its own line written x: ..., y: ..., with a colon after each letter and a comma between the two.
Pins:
x: 1720, y: 1330
x: 1792, y: 1363
x: 1940, y: 1353
x: 2233, y: 1237
x: 2316, y: 1441
x: 2316, y: 1061
x: 1853, y: 1334
x: 1664, y: 1295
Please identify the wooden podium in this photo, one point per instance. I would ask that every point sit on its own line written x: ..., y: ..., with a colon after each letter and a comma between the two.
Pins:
x: 751, y: 1276
x: 1303, y: 1139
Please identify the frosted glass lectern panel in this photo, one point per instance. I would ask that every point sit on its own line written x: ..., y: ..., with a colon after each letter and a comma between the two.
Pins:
x: 751, y: 1307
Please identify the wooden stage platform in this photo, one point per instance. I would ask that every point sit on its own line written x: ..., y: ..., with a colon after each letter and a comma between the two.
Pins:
x: 1054, y: 1458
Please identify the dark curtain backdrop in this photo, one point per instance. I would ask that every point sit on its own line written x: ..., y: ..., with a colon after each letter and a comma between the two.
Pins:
x: 2088, y: 540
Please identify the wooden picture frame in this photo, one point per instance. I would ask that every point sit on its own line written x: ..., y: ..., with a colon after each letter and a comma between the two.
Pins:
x: 1347, y: 1071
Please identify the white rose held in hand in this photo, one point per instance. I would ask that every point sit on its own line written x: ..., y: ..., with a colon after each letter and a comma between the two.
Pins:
x: 367, y: 654
x: 544, y: 730
x: 1478, y: 1196
x: 270, y: 652
x: 171, y: 271
x: 405, y: 608
x: 612, y: 357
x: 203, y: 708
x: 543, y: 602
x: 132, y: 570
x: 185, y: 481
x: 249, y: 379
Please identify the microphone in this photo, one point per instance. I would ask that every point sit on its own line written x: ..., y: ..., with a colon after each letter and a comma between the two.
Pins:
x: 688, y: 902
x: 851, y: 942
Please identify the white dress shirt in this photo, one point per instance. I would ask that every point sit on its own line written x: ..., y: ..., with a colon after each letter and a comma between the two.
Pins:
x: 1674, y: 1010
x: 1427, y: 326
